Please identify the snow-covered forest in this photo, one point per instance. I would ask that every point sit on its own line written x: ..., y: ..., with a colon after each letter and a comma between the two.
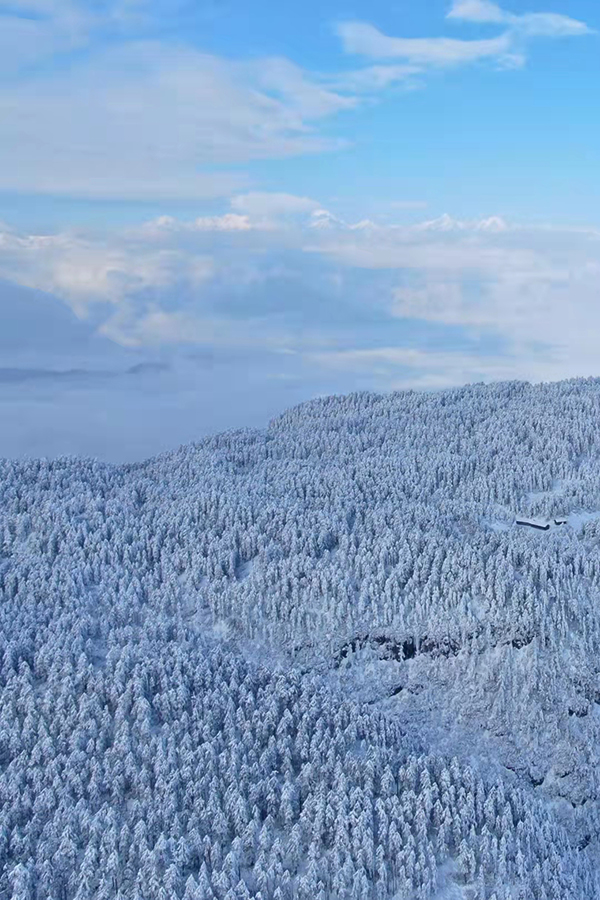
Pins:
x: 315, y: 661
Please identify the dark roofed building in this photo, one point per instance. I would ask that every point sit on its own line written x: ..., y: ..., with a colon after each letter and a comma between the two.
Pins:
x: 534, y: 523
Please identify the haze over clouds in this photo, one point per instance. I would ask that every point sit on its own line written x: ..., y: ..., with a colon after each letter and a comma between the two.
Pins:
x: 198, y: 235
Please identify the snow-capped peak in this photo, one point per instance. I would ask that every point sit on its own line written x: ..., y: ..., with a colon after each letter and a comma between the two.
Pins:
x: 322, y: 218
x: 445, y: 223
x: 442, y: 223
x: 364, y: 225
x: 493, y: 224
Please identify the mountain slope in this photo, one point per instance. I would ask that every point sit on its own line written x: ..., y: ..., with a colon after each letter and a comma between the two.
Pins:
x: 318, y: 660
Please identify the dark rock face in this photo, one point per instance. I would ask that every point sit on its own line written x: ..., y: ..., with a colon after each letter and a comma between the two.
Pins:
x: 398, y: 650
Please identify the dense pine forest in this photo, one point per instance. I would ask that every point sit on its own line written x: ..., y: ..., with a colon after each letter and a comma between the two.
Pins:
x: 320, y: 660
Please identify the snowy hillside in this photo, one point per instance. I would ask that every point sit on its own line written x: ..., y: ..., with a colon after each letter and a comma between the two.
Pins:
x: 316, y: 661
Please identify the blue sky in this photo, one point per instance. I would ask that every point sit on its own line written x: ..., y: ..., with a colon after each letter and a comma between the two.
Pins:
x: 236, y: 206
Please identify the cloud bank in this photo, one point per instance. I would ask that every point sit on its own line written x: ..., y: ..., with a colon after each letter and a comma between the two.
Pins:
x: 211, y: 327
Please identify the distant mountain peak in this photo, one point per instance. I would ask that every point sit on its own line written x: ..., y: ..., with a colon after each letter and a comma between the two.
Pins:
x: 323, y: 219
x: 493, y: 224
x: 446, y: 223
x: 442, y: 223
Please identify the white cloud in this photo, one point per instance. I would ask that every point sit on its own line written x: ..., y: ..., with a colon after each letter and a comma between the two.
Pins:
x: 535, y: 289
x: 141, y: 119
x: 266, y: 205
x: 85, y: 271
x: 555, y: 302
x: 363, y: 39
x: 532, y: 24
x: 31, y: 30
x: 375, y: 78
x: 477, y: 11
x: 425, y: 247
x: 283, y: 78
x: 506, y: 49
x: 157, y: 327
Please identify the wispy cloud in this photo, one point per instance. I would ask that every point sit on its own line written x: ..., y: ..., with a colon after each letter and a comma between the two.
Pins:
x: 85, y: 271
x: 531, y: 24
x: 506, y: 49
x: 363, y: 39
x: 373, y: 79
x: 31, y: 30
x: 142, y: 119
x: 269, y: 205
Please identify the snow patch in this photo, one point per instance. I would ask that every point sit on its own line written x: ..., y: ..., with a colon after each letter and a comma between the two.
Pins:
x: 578, y: 519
